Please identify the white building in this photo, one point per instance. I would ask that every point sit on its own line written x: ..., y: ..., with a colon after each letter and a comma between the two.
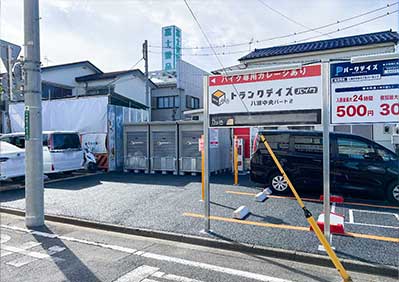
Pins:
x: 336, y: 49
x: 80, y: 97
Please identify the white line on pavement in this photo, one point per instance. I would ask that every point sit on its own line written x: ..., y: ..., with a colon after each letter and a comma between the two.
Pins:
x: 211, y: 267
x: 25, y: 246
x: 373, y: 225
x: 28, y: 259
x: 138, y: 274
x: 235, y: 272
x: 351, y: 220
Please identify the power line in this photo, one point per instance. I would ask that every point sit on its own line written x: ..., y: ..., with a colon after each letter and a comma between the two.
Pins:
x: 214, y: 52
x: 287, y: 35
x: 205, y: 54
x: 348, y: 27
x: 287, y: 18
x: 297, y: 41
x: 131, y: 68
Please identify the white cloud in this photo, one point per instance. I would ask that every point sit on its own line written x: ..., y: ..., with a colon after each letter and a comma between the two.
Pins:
x: 110, y: 33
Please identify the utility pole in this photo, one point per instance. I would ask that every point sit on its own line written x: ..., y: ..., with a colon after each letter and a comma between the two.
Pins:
x: 34, y: 190
x: 147, y: 81
x: 9, y: 95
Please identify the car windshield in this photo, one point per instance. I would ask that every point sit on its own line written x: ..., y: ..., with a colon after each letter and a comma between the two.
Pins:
x: 62, y: 141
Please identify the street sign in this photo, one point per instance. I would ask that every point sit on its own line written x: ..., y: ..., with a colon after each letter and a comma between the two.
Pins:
x: 365, y: 92
x: 214, y: 138
x: 27, y: 123
x: 282, y: 97
x: 15, y: 50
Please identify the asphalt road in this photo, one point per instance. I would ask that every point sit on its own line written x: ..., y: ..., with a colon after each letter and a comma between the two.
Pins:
x: 171, y: 203
x: 59, y: 252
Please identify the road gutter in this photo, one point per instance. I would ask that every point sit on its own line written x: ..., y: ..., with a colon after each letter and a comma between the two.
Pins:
x: 314, y: 259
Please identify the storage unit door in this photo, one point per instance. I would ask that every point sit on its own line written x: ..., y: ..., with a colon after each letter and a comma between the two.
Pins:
x: 190, y: 160
x: 136, y: 155
x: 164, y: 150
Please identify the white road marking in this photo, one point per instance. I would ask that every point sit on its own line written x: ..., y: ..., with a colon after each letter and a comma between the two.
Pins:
x: 379, y: 212
x: 138, y: 274
x: 176, y: 278
x: 30, y: 256
x: 373, y: 225
x: 173, y: 277
x: 25, y: 246
x: 4, y: 238
x: 351, y: 219
x: 216, y: 268
x: 235, y: 272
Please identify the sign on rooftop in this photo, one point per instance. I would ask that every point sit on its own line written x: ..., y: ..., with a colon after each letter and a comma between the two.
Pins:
x: 365, y: 92
x: 282, y: 97
x: 171, y: 47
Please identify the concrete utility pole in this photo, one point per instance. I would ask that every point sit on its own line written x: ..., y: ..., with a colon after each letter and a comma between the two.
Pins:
x: 147, y: 81
x: 9, y: 94
x: 34, y: 191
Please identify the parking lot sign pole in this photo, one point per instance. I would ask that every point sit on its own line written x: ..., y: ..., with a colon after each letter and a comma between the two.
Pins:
x: 206, y: 156
x: 326, y: 148
x: 34, y: 194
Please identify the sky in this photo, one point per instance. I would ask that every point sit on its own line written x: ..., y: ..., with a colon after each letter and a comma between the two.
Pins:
x: 110, y: 33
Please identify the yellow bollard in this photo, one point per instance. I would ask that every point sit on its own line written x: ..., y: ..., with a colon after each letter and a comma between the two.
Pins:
x: 202, y: 169
x: 235, y: 160
x: 333, y: 257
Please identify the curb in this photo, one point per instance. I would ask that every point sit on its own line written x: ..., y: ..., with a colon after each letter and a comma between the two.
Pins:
x: 314, y: 259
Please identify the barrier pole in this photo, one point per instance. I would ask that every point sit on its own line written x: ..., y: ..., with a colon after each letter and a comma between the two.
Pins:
x: 235, y: 160
x: 202, y: 172
x: 309, y: 217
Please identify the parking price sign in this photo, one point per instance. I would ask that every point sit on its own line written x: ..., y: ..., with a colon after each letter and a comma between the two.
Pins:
x: 365, y: 92
x: 280, y: 97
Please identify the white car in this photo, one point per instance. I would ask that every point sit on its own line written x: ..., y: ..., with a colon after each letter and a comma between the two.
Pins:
x: 62, y: 151
x: 12, y: 161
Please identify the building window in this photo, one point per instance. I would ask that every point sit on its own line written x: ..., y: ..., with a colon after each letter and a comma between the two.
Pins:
x: 168, y: 102
x: 192, y: 102
x: 104, y: 90
x: 50, y: 91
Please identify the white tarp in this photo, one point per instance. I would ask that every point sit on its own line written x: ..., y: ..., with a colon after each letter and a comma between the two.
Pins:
x: 86, y: 114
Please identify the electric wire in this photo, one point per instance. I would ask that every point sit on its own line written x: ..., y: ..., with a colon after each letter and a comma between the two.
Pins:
x: 131, y: 68
x: 287, y: 17
x: 216, y: 55
x: 296, y: 41
x: 287, y: 35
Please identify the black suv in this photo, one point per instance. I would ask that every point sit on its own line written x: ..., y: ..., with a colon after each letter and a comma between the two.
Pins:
x: 357, y: 164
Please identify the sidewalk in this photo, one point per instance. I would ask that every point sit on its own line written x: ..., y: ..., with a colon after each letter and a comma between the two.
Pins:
x: 60, y: 252
x: 169, y: 203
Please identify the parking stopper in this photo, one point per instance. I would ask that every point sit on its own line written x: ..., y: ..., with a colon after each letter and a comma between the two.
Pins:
x: 267, y: 191
x: 241, y: 212
x: 260, y: 197
x: 336, y: 223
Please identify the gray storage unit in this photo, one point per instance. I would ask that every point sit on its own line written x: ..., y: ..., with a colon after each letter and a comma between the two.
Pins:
x: 136, y: 147
x: 189, y: 156
x: 163, y: 147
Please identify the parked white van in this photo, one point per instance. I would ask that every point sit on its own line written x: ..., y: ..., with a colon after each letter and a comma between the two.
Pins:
x: 12, y: 161
x: 62, y: 151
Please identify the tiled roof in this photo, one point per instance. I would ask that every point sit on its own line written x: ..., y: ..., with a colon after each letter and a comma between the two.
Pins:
x: 322, y: 45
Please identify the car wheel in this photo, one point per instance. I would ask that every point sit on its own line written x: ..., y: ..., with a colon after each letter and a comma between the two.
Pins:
x: 279, y: 184
x: 393, y: 193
